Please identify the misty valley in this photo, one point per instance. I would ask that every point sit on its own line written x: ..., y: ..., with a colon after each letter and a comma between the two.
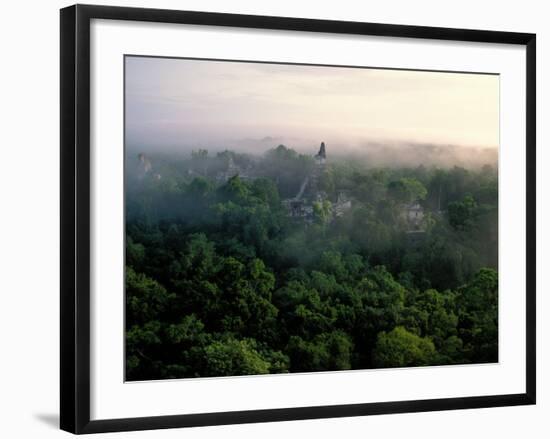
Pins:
x: 242, y: 264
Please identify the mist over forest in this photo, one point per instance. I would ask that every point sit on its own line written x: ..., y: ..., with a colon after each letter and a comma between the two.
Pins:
x: 309, y: 258
x: 391, y: 154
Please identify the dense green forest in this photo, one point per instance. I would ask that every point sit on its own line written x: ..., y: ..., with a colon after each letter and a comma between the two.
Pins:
x: 239, y: 265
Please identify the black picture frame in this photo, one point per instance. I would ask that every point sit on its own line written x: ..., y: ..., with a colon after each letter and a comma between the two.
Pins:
x: 75, y: 217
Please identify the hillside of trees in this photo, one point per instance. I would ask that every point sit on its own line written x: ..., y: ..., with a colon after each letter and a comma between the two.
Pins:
x: 221, y: 281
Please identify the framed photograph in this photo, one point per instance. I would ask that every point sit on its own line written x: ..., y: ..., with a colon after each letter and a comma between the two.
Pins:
x: 268, y: 219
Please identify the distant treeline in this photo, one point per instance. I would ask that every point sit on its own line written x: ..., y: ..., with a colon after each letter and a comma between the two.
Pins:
x: 369, y: 154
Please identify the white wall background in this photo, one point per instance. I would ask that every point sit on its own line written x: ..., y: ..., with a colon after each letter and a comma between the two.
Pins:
x: 29, y: 249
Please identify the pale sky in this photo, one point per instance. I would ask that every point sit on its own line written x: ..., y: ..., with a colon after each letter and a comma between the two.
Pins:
x: 191, y: 103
